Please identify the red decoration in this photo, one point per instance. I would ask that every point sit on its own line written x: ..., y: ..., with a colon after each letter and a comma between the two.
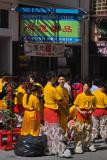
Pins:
x: 10, y: 141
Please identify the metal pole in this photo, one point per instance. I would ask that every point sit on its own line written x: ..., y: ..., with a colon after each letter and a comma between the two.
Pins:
x: 85, y: 48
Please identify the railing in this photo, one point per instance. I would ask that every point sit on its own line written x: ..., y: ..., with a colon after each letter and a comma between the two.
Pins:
x: 100, y: 7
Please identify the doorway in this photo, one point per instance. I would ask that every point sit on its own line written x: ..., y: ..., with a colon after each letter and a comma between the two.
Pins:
x: 103, y: 66
x: 5, y: 56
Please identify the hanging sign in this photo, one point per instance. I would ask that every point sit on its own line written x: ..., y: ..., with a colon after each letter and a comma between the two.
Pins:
x: 44, y: 49
x: 50, y: 28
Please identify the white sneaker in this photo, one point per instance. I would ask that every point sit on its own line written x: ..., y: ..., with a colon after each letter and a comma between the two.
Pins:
x: 78, y: 149
x: 67, y: 153
x: 92, y: 148
x: 60, y: 155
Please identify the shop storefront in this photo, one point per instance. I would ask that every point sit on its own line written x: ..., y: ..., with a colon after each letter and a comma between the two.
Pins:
x: 45, y: 35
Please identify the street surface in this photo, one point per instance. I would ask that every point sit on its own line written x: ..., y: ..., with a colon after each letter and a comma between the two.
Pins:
x: 100, y: 154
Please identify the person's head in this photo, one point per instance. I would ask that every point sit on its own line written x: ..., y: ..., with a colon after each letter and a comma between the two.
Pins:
x: 61, y: 79
x: 32, y: 78
x: 86, y: 86
x: 21, y: 80
x: 103, y: 87
x: 32, y: 89
x: 4, y: 80
x: 96, y: 82
x: 51, y: 77
x: 36, y: 90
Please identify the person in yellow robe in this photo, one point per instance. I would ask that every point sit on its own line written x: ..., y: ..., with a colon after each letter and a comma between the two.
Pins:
x: 85, y: 104
x: 33, y: 79
x: 18, y: 108
x: 99, y: 115
x: 18, y: 104
x: 55, y: 134
x: 3, y: 82
x: 63, y: 107
x: 1, y: 101
x: 31, y: 119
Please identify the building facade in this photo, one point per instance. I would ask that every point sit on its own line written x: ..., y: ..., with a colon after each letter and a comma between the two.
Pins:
x: 98, y: 39
x: 9, y: 37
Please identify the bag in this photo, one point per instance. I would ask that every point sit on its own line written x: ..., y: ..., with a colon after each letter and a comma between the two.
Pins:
x: 31, y: 146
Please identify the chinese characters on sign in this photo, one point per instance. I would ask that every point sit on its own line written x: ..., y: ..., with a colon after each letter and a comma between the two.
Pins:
x: 45, y: 28
x: 44, y: 49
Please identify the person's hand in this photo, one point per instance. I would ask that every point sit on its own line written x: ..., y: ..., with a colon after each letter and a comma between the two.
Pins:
x: 84, y: 113
x: 90, y: 112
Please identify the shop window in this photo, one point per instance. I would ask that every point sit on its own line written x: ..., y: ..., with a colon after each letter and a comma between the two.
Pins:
x: 4, y: 18
x: 103, y: 30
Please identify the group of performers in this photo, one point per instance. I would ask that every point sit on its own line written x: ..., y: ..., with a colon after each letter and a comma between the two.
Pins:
x: 48, y: 110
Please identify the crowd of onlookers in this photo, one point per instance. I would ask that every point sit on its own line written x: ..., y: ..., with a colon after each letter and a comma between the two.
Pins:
x: 65, y: 110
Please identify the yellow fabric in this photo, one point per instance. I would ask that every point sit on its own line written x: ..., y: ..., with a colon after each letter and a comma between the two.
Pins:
x: 63, y: 118
x: 33, y: 102
x: 72, y: 111
x: 64, y: 94
x: 30, y: 124
x: 3, y: 105
x: 19, y: 95
x: 1, y: 102
x: 20, y: 89
x: 51, y: 96
x: 84, y: 101
x: 39, y: 85
x: 41, y: 100
x: 1, y: 85
x: 101, y: 99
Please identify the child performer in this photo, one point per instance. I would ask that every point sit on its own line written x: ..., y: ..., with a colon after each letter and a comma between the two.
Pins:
x: 85, y: 103
x: 63, y: 107
x: 31, y: 119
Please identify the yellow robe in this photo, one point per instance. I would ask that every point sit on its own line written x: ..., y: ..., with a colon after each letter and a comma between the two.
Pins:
x: 19, y: 95
x: 85, y: 102
x: 51, y: 97
x: 31, y: 121
x: 63, y: 118
x: 72, y: 111
x: 3, y: 105
x: 101, y: 98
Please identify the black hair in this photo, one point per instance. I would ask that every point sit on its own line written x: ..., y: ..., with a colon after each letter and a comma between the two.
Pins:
x: 32, y: 88
x: 61, y: 75
x: 96, y: 82
x: 88, y: 82
x: 33, y: 77
x: 50, y: 75
x: 105, y: 87
x: 35, y: 88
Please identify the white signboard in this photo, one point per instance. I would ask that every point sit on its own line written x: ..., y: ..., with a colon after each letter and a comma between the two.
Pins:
x: 44, y: 49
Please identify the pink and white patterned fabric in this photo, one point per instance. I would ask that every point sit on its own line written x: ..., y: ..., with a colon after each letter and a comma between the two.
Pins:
x: 55, y: 138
